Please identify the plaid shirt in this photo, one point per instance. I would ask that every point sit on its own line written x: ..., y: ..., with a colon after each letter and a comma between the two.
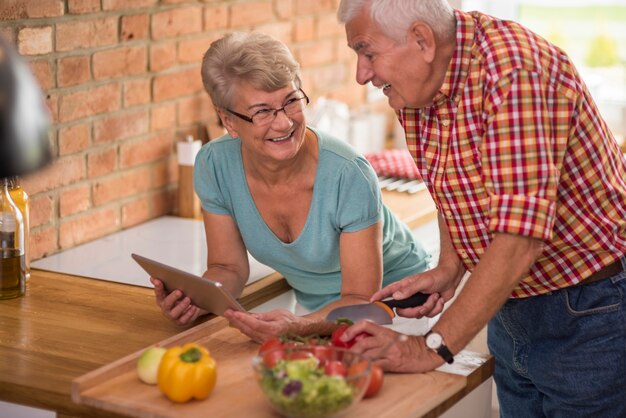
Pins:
x: 514, y: 143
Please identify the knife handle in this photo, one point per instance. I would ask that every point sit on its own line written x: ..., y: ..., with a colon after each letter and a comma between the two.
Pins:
x: 418, y: 299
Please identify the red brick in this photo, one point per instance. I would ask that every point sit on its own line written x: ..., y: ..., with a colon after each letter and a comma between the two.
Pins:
x: 75, y: 138
x: 304, y: 29
x: 251, y: 13
x: 41, y: 210
x: 162, y: 117
x: 78, y: 34
x: 8, y: 34
x: 151, y: 149
x: 73, y: 70
x: 351, y: 93
x: 137, y: 211
x: 119, y: 62
x: 93, y: 101
x: 52, y: 104
x: 29, y: 9
x: 136, y: 92
x: 216, y: 17
x: 118, y: 127
x: 121, y: 185
x: 63, y: 171
x: 183, y: 83
x: 135, y: 27
x: 176, y: 22
x: 328, y: 77
x: 43, y: 73
x: 283, y: 9
x: 192, y: 50
x: 193, y: 109
x: 101, y: 162
x: 87, y: 227
x: 74, y: 200
x: 308, y: 7
x: 162, y: 56
x: 279, y: 30
x: 162, y: 173
x: 163, y: 202
x: 316, y: 54
x: 43, y: 242
x: 126, y: 4
x: 329, y: 27
x: 83, y: 6
x: 35, y: 41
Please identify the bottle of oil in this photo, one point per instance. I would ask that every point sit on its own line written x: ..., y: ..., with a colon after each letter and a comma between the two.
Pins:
x: 12, y: 263
x: 22, y: 201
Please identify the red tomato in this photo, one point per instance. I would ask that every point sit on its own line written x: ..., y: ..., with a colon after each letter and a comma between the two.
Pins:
x: 335, y: 368
x: 322, y: 353
x: 271, y: 357
x: 270, y: 344
x: 376, y: 377
x: 336, y: 337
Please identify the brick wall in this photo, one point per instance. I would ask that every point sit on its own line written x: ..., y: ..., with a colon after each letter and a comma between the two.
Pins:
x: 121, y: 79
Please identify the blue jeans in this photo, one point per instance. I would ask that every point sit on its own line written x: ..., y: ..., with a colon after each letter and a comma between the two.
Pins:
x: 563, y: 354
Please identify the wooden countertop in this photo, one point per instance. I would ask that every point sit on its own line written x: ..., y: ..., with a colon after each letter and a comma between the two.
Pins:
x: 66, y: 326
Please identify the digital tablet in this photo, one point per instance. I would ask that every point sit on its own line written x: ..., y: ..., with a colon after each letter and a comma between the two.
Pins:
x: 205, y: 293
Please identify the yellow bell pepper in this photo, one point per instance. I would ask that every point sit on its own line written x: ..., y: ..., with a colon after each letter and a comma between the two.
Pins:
x: 187, y: 372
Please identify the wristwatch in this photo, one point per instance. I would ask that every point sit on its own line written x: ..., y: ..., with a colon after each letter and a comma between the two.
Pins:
x: 434, y: 341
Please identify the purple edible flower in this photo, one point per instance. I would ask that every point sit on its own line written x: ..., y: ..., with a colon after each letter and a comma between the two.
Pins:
x: 292, y: 388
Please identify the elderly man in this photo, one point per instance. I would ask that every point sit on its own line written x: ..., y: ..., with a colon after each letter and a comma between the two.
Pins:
x: 531, y: 192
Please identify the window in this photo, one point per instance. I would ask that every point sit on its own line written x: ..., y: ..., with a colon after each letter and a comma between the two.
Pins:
x: 592, y: 32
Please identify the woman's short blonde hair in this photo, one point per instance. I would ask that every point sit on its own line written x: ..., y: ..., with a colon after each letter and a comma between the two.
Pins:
x: 253, y: 57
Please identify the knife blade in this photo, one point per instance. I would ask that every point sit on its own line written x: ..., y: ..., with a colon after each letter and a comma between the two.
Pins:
x: 380, y: 311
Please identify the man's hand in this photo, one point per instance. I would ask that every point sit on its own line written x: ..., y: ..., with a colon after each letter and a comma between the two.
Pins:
x: 393, y: 351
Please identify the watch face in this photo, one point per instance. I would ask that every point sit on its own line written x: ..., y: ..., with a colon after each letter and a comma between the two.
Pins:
x: 434, y: 340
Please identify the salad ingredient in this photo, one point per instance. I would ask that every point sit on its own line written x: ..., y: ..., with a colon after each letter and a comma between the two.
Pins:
x: 336, y: 337
x: 300, y: 387
x: 187, y: 372
x: 377, y: 377
x: 335, y: 368
x: 148, y: 364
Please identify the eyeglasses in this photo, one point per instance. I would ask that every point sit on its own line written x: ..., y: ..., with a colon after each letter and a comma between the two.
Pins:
x: 264, y: 117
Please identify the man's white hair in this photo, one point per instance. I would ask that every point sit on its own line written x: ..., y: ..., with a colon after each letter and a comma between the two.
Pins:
x: 395, y: 17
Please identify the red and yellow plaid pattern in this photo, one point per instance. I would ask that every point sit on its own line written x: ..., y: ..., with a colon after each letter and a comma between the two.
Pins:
x: 514, y: 143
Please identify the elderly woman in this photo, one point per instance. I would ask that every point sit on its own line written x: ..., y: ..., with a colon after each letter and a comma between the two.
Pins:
x: 300, y: 201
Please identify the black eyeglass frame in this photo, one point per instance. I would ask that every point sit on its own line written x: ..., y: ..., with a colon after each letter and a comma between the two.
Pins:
x: 249, y: 119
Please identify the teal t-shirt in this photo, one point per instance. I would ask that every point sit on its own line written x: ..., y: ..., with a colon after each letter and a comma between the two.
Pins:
x: 346, y: 197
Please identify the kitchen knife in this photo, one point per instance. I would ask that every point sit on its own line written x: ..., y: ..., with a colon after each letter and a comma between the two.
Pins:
x: 380, y: 312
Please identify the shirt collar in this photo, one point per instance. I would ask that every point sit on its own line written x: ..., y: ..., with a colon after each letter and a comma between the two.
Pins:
x: 458, y: 68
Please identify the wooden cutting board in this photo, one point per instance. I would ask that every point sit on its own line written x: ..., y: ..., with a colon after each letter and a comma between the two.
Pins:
x: 116, y: 387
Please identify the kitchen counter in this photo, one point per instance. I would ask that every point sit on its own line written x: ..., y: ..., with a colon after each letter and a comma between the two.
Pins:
x: 67, y: 326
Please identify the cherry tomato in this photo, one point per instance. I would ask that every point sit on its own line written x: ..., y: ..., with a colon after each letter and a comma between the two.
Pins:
x: 335, y: 368
x: 322, y: 353
x: 336, y: 337
x: 270, y: 344
x: 377, y: 377
x: 271, y: 357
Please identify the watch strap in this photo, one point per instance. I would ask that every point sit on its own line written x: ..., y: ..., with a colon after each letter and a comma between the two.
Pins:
x: 443, y: 351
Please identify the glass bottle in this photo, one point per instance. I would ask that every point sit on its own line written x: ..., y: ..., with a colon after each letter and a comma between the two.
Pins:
x: 12, y: 264
x: 22, y: 201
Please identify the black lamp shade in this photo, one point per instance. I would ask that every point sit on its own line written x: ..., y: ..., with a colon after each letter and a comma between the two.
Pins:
x: 24, y: 145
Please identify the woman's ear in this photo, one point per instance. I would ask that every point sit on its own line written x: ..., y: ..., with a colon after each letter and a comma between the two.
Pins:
x: 227, y: 121
x: 423, y: 35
